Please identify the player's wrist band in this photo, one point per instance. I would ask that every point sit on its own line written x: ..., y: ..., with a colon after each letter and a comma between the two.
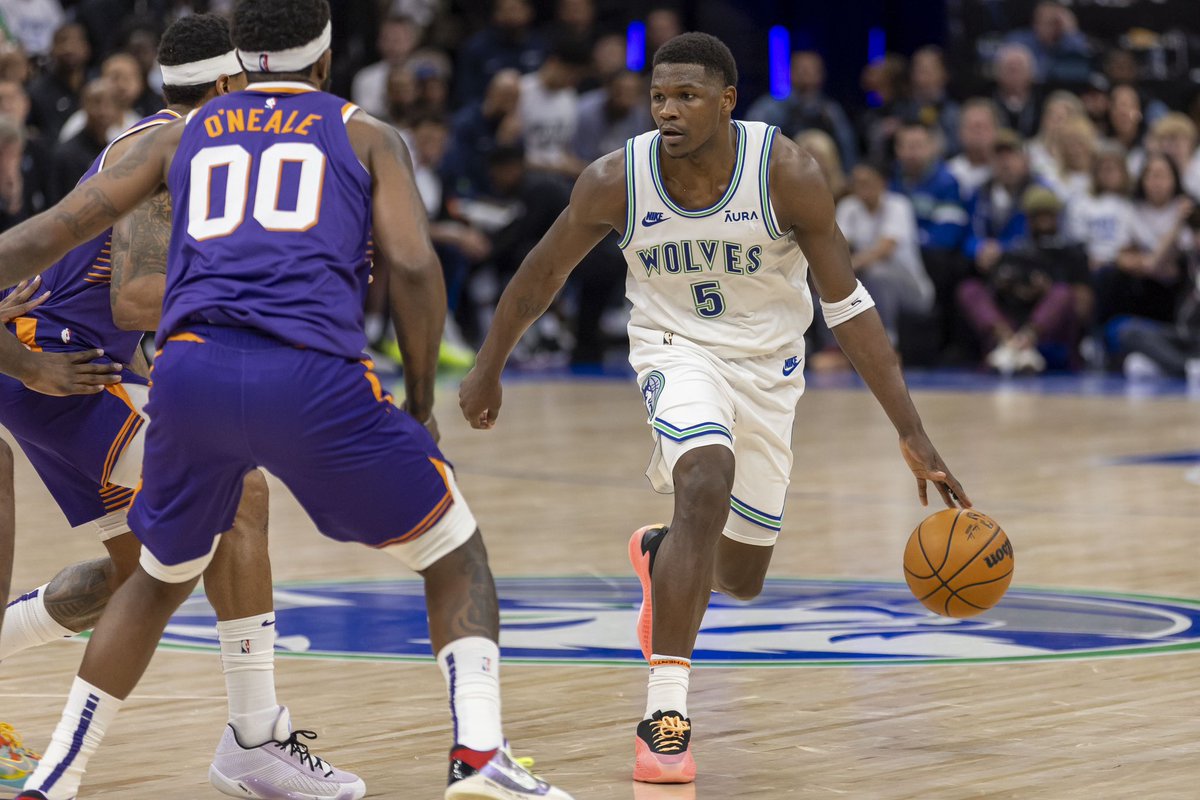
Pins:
x: 844, y: 310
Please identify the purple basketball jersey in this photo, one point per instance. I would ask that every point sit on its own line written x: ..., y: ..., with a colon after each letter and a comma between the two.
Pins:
x: 78, y: 313
x: 272, y: 218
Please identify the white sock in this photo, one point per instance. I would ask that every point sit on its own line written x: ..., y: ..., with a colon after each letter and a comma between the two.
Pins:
x: 667, y: 688
x: 248, y: 661
x: 28, y: 624
x: 88, y: 714
x: 472, y: 669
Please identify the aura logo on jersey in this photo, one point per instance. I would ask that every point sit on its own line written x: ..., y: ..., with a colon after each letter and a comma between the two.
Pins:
x: 794, y: 623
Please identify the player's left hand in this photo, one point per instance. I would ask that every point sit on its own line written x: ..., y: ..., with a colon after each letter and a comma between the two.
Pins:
x: 21, y: 301
x: 927, y: 465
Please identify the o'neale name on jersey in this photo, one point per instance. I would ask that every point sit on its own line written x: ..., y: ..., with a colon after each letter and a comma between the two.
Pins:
x: 704, y: 255
x: 237, y: 120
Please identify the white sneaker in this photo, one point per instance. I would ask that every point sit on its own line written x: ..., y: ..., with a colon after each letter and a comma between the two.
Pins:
x: 502, y: 779
x: 1140, y: 367
x: 281, y: 769
x: 1030, y: 360
x: 1003, y: 359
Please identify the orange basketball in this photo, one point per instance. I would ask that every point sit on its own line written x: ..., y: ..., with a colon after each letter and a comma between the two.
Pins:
x: 958, y: 562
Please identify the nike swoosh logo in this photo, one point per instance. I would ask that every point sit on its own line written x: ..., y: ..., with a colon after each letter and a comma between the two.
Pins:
x: 649, y: 223
x: 268, y: 623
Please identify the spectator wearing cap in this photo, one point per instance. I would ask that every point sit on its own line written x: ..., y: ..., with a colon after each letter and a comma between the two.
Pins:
x: 54, y: 93
x: 1060, y: 52
x: 1015, y: 97
x: 398, y: 38
x: 977, y: 127
x: 1094, y: 96
x: 881, y: 229
x: 508, y: 42
x: 996, y: 220
x: 927, y: 101
x: 1027, y: 309
x: 807, y: 106
x: 549, y: 108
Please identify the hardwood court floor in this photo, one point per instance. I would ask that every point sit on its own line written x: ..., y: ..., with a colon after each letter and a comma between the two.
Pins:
x: 557, y: 488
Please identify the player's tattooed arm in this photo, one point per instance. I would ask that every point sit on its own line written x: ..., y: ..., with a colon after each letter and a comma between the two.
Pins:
x: 804, y: 204
x: 139, y: 264
x: 89, y: 209
x: 598, y: 206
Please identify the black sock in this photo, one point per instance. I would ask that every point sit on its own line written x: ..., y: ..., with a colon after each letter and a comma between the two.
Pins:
x: 650, y: 542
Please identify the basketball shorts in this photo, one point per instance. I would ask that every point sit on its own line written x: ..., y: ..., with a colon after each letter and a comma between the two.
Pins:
x: 695, y: 399
x: 229, y: 400
x: 87, y: 449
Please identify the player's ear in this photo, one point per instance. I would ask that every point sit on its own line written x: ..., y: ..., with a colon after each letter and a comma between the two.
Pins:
x: 728, y: 99
x: 323, y: 68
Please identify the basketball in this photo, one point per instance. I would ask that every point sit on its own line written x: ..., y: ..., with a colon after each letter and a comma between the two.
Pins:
x: 958, y: 562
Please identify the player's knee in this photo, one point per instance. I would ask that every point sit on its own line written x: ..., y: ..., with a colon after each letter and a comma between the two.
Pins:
x: 704, y: 477
x: 739, y: 587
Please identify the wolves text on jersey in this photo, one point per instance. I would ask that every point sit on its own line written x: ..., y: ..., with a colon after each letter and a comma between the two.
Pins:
x: 703, y: 255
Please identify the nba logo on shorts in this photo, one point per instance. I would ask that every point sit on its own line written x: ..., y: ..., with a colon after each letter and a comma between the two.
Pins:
x: 651, y: 390
x: 263, y: 64
x: 245, y: 646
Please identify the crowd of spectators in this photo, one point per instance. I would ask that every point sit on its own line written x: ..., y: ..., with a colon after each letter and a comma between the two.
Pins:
x: 1043, y: 221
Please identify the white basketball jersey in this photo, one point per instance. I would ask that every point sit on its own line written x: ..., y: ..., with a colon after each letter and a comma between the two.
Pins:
x: 723, y: 277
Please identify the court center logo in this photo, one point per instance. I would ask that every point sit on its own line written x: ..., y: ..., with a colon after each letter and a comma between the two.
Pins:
x: 794, y: 622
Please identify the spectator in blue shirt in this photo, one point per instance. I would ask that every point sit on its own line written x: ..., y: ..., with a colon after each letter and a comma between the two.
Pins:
x: 509, y: 42
x: 1060, y: 52
x: 996, y: 220
x: 482, y: 127
x: 922, y: 177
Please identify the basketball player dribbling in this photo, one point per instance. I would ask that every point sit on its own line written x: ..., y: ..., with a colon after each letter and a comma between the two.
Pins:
x: 720, y: 222
x: 275, y: 192
x: 87, y: 448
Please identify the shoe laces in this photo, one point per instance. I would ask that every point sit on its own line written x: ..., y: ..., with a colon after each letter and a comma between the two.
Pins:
x: 669, y: 733
x: 299, y: 751
x: 10, y: 737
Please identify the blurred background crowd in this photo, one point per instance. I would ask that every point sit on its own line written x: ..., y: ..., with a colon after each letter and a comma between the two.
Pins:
x: 1016, y: 179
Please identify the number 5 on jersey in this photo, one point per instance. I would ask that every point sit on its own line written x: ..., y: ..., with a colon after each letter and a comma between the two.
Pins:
x: 231, y: 163
x: 710, y: 303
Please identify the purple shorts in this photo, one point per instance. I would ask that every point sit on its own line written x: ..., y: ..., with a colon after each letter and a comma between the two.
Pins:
x: 74, y: 443
x: 228, y: 400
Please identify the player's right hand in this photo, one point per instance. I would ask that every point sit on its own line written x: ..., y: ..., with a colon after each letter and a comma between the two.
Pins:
x: 65, y: 374
x: 480, y: 397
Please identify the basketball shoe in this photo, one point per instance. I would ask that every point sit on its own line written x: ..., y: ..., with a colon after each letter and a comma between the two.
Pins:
x: 643, y: 546
x: 17, y: 762
x: 32, y: 794
x: 280, y: 768
x: 662, y: 752
x: 501, y: 778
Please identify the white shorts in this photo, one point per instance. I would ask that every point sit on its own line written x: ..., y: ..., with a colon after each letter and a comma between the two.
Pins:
x: 127, y: 471
x: 694, y: 399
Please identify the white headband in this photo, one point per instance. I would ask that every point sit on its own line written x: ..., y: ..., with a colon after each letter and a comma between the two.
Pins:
x: 293, y: 59
x: 201, y: 72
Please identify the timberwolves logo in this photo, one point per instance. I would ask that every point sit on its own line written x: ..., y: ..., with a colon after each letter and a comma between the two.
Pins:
x: 651, y: 390
x: 590, y: 620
